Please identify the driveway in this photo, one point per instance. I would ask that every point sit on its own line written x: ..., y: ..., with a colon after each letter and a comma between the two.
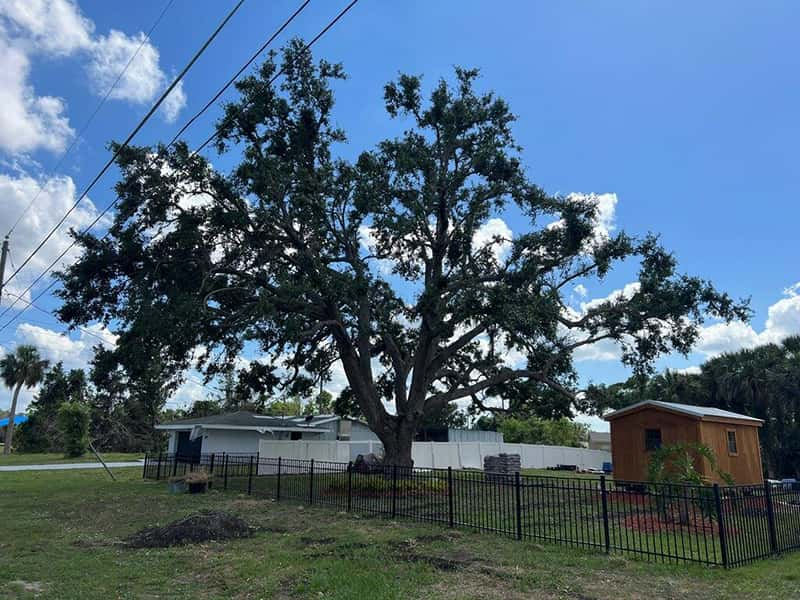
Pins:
x: 68, y: 466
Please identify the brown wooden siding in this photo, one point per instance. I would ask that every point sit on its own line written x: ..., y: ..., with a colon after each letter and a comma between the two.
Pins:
x: 745, y: 465
x: 631, y: 459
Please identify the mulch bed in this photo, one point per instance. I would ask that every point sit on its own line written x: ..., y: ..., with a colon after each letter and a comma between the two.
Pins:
x: 660, y: 523
x: 204, y: 526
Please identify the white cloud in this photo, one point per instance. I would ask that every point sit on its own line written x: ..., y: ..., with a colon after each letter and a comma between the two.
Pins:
x: 28, y: 121
x: 495, y: 234
x: 693, y: 370
x: 75, y: 353
x: 783, y: 320
x: 109, y: 55
x: 627, y: 292
x: 50, y: 26
x: 174, y: 103
x: 580, y: 290
x: 56, y: 28
x: 57, y: 195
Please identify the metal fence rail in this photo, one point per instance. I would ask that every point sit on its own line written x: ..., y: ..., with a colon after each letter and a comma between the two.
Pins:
x: 713, y: 525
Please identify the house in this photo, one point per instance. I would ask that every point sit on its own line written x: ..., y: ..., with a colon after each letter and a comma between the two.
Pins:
x: 639, y: 429
x: 240, y: 432
x: 449, y: 434
x: 600, y: 440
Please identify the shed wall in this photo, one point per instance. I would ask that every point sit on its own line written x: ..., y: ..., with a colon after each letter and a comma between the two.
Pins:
x: 627, y: 439
x: 745, y: 465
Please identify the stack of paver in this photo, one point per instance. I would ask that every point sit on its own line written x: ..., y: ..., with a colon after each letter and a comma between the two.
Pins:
x: 501, y: 468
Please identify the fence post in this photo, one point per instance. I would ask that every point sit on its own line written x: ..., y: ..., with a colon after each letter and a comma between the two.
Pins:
x: 450, y: 515
x: 158, y: 470
x: 278, y: 487
x: 723, y: 542
x: 518, y: 495
x: 175, y: 465
x: 144, y: 467
x: 211, y: 465
x: 225, y: 472
x: 394, y: 491
x: 604, y: 501
x: 349, y: 486
x: 250, y: 476
x: 311, y: 483
x: 773, y: 537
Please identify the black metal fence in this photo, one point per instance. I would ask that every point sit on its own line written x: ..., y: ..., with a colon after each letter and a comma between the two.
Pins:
x: 714, y: 525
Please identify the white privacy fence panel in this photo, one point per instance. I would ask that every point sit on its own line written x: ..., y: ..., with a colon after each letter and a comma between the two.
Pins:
x: 440, y: 455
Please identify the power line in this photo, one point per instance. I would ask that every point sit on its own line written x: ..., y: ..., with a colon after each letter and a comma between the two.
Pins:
x: 198, y: 149
x: 130, y: 137
x: 174, y: 139
x: 87, y: 331
x: 88, y: 122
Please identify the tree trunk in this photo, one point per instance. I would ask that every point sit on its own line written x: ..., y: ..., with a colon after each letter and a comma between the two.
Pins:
x: 11, y: 415
x: 397, y: 437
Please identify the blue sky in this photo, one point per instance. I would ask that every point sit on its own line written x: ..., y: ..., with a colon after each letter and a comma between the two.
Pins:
x: 684, y: 113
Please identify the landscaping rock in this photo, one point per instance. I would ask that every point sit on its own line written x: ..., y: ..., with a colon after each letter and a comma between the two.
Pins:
x: 201, y: 527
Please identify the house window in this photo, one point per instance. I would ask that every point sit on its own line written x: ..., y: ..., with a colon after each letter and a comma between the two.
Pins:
x: 652, y: 439
x: 732, y: 448
x: 297, y: 435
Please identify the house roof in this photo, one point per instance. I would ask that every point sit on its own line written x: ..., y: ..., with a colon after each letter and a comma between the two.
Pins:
x: 703, y: 413
x: 248, y: 420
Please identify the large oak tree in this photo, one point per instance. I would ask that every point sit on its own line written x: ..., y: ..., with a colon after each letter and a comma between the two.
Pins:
x: 385, y: 264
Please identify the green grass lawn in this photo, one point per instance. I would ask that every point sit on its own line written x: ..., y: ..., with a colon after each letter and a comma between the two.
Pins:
x: 62, y: 532
x: 55, y: 458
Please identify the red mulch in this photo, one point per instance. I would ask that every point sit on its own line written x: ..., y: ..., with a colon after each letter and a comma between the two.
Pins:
x: 652, y: 522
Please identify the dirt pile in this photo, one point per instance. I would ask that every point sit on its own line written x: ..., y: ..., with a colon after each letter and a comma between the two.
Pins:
x: 201, y: 527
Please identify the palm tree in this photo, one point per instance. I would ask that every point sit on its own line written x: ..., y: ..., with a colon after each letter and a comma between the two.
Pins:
x: 24, y: 367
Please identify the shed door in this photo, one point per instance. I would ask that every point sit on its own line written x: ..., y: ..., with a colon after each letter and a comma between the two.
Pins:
x: 189, y: 450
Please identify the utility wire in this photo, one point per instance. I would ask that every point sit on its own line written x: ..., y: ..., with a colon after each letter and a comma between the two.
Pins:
x: 85, y: 330
x: 88, y: 122
x: 172, y: 142
x: 130, y: 137
x: 198, y: 149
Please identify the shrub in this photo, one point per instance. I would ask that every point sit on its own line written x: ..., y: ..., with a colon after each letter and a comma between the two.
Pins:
x: 73, y: 423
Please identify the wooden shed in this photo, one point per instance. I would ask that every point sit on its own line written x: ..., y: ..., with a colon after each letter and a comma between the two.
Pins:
x: 639, y: 429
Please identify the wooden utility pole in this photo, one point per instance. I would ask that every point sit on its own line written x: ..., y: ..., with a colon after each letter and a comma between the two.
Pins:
x: 3, y: 257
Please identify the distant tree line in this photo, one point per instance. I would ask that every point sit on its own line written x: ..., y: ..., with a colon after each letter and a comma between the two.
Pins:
x: 536, y: 430
x: 762, y: 382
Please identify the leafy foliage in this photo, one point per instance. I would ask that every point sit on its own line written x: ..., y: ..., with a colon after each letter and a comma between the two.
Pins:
x: 73, y: 423
x: 677, y: 463
x: 24, y: 367
x: 41, y: 433
x: 674, y: 466
x: 533, y: 430
x: 382, y: 264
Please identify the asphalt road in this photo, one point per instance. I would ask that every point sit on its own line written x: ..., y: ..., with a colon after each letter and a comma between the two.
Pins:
x: 68, y: 466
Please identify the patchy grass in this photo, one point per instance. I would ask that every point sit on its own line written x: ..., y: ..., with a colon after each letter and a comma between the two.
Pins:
x: 55, y: 458
x: 62, y: 532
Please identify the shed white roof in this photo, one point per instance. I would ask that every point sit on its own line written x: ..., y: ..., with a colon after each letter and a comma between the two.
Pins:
x: 687, y: 409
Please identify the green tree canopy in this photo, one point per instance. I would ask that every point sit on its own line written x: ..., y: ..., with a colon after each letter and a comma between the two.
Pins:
x: 385, y: 264
x: 40, y: 433
x: 24, y: 367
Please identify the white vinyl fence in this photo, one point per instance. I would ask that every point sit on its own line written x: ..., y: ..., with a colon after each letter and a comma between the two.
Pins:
x: 440, y: 455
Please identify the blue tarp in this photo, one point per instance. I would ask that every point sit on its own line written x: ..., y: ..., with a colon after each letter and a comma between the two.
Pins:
x: 17, y: 420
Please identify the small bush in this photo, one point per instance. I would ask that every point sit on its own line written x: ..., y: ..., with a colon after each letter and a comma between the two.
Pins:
x: 73, y: 423
x: 378, y: 485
